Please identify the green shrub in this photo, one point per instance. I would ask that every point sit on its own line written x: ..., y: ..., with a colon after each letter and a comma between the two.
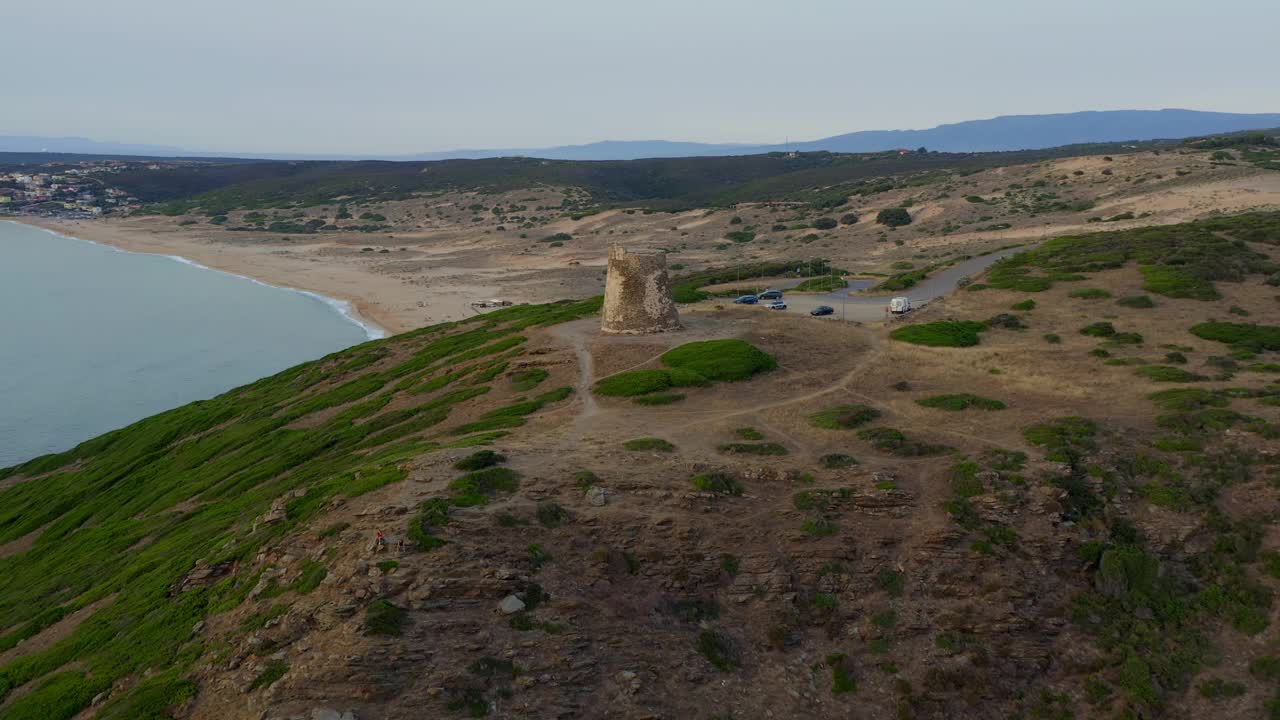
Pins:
x: 643, y: 382
x: 273, y: 671
x: 551, y: 515
x: 1176, y: 282
x: 835, y: 461
x: 334, y: 530
x: 849, y: 219
x: 895, y: 443
x: 1265, y: 668
x: 748, y: 433
x: 964, y: 479
x: 1024, y: 306
x: 719, y: 650
x: 842, y: 680
x: 382, y: 618
x: 635, y: 382
x: 1166, y: 373
x: 717, y: 482
x: 1217, y: 689
x: 825, y: 284
x: 311, y: 575
x: 1257, y: 338
x: 961, y: 401
x: 844, y: 417
x: 657, y: 444
x: 477, y: 487
x: 891, y: 581
x: 728, y: 360
x: 526, y: 380
x: 741, y: 236
x: 942, y: 333
x: 658, y: 399
x: 1136, y: 301
x: 1125, y: 338
x: 894, y: 217
x: 1099, y: 329
x: 1188, y: 399
x: 1066, y: 439
x: 1089, y: 294
x: 1052, y: 338
x: 819, y: 527
x: 824, y: 223
x: 480, y: 460
x: 152, y: 699
x: 765, y: 448
x: 825, y: 601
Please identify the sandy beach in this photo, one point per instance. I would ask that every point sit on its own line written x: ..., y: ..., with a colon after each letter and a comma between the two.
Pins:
x: 377, y: 299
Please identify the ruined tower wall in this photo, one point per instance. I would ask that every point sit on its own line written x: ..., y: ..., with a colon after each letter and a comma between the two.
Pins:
x: 637, y: 294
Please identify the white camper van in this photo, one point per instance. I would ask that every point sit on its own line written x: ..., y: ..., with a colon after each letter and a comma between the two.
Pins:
x: 900, y: 305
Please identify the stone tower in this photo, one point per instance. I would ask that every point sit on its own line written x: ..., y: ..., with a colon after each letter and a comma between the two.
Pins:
x: 637, y: 294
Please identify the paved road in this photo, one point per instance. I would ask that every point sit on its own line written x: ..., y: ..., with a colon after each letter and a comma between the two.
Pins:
x: 871, y: 308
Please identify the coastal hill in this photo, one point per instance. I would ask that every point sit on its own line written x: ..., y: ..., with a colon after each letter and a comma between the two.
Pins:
x: 1004, y: 133
x: 1049, y: 494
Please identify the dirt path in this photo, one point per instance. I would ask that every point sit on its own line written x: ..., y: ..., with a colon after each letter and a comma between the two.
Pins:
x: 577, y: 335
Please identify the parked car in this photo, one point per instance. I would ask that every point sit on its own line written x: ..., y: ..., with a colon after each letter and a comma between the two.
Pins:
x: 822, y: 310
x: 900, y: 305
x: 771, y: 295
x: 747, y: 300
x: 777, y: 305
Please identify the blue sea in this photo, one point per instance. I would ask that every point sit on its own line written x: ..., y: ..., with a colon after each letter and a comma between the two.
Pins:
x: 93, y: 338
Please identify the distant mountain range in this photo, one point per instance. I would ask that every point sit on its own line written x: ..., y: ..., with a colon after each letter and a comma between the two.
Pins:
x: 1009, y: 132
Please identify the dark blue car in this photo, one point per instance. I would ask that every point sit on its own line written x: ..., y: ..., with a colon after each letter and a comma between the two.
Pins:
x: 747, y: 300
x: 823, y: 310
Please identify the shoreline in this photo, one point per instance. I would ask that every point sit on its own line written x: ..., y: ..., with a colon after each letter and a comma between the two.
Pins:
x: 357, y: 310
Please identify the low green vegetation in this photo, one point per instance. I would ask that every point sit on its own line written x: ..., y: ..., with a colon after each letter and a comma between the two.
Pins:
x: 476, y: 488
x: 691, y: 365
x: 271, y: 672
x: 655, y: 399
x: 1089, y: 294
x: 480, y: 460
x: 643, y: 382
x: 844, y: 417
x: 764, y: 448
x: 656, y: 444
x: 128, y: 514
x: 894, y: 217
x: 385, y: 619
x: 717, y: 482
x: 905, y: 280
x: 1167, y: 373
x: 1180, y: 261
x: 1136, y: 301
x: 729, y: 360
x: 526, y: 380
x: 941, y: 333
x: 836, y: 461
x: 1099, y: 329
x: 1024, y: 305
x: 1243, y: 336
x: 895, y: 442
x: 960, y: 401
x: 823, y: 284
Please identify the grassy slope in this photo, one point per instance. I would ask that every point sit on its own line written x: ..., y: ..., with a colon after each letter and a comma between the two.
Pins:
x: 127, y: 515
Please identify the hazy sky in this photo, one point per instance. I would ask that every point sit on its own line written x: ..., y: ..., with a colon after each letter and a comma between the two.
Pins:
x: 401, y: 76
